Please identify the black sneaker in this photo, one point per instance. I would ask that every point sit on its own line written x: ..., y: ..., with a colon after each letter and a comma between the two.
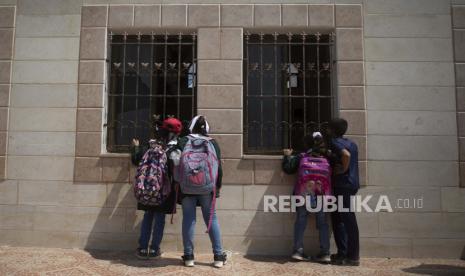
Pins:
x: 219, y: 260
x: 142, y: 253
x: 337, y: 259
x: 299, y: 255
x: 351, y: 262
x: 188, y: 260
x: 154, y: 254
x: 322, y: 258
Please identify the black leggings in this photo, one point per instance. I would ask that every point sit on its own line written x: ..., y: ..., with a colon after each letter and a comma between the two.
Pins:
x: 345, y: 227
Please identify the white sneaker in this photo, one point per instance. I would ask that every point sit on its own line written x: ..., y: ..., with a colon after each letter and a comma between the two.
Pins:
x: 219, y: 260
x: 188, y: 260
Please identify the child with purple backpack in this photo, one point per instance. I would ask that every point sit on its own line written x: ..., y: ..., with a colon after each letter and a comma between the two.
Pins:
x: 314, y: 180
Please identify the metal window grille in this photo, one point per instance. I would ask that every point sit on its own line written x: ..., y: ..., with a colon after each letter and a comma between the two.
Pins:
x: 288, y: 87
x: 152, y: 77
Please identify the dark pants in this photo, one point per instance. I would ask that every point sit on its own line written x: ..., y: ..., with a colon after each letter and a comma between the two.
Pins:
x: 345, y: 227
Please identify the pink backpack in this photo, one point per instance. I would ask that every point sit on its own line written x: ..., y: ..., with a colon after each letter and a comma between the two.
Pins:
x: 314, y: 174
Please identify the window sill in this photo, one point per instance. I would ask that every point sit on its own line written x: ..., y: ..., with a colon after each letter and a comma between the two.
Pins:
x: 262, y: 157
x: 115, y: 155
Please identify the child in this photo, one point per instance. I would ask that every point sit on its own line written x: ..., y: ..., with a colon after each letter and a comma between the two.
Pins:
x: 346, y: 184
x: 167, y: 135
x: 200, y: 182
x: 315, y: 147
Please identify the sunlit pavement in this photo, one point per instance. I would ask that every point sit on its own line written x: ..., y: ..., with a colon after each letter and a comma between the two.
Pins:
x: 48, y: 261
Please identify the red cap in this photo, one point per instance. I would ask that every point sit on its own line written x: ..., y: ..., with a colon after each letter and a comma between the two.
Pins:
x: 172, y: 125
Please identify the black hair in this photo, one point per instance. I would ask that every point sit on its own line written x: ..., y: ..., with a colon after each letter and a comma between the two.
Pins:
x: 200, y: 127
x: 315, y: 144
x: 338, y: 127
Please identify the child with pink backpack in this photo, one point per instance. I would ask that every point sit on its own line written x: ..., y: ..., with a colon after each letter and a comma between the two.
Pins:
x: 314, y: 181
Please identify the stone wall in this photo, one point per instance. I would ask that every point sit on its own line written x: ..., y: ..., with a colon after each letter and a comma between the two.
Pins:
x: 396, y: 86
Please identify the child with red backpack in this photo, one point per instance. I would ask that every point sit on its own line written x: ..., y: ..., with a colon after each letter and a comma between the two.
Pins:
x: 200, y: 175
x: 314, y: 180
x: 155, y: 185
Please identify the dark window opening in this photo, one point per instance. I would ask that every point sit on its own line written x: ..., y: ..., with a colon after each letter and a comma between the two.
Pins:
x: 288, y: 89
x: 150, y: 76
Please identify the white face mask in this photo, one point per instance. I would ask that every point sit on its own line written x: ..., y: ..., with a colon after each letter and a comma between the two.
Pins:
x: 194, y: 121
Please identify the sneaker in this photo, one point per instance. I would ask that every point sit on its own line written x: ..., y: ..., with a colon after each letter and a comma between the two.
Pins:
x: 337, y: 259
x: 351, y: 262
x: 299, y: 255
x: 142, y: 253
x: 154, y: 254
x: 219, y: 260
x: 188, y: 260
x: 322, y: 258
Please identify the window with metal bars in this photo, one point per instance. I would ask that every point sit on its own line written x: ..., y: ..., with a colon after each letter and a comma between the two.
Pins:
x: 288, y: 89
x: 152, y: 77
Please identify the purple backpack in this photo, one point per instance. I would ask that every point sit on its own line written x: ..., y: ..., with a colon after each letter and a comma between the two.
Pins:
x: 152, y: 185
x: 314, y: 174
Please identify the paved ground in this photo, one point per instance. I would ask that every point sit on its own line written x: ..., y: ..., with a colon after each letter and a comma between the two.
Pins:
x: 44, y: 261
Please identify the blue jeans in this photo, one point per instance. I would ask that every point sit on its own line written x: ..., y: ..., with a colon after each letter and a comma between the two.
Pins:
x: 148, y: 225
x: 189, y: 204
x: 301, y: 224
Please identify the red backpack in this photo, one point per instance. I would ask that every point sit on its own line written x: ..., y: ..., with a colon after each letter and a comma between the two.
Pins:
x: 314, y: 174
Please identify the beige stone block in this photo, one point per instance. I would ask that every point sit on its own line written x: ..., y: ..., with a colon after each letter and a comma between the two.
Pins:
x: 43, y: 95
x: 42, y: 119
x: 208, y: 43
x: 91, y: 72
x: 231, y: 43
x: 48, y: 25
x: 16, y: 217
x: 350, y: 73
x: 7, y: 17
x: 238, y: 171
x: 459, y: 45
x: 121, y: 16
x: 219, y: 96
x: 87, y: 169
x: 3, y: 119
x: 93, y: 43
x: 453, y: 199
x: 363, y: 173
x: 94, y: 16
x: 46, y: 48
x: 83, y: 194
x: 462, y: 174
x: 460, y: 98
x: 2, y: 167
x: 356, y: 120
x: 40, y: 167
x: 37, y: 7
x: 460, y: 74
x: 29, y: 143
x: 321, y: 16
x: 5, y: 71
x: 90, y: 95
x: 386, y: 247
x: 6, y: 43
x: 267, y: 15
x: 88, y: 143
x: 361, y: 142
x: 81, y: 219
x: 351, y: 97
x: 237, y: 15
x: 220, y: 72
x: 439, y: 248
x: 8, y: 191
x: 349, y: 44
x: 230, y: 145
x: 253, y: 195
x: 47, y: 72
x: 204, y: 15
x: 115, y: 169
x: 174, y: 15
x: 108, y: 241
x: 121, y: 195
x: 147, y: 16
x: 251, y: 223
x: 269, y: 172
x: 3, y: 143
x: 256, y: 245
x: 458, y: 16
x: 407, y: 7
x: 461, y: 123
x: 40, y: 192
x: 295, y: 15
x: 349, y: 16
x: 223, y: 121
x: 231, y: 197
x: 89, y: 119
x: 4, y: 95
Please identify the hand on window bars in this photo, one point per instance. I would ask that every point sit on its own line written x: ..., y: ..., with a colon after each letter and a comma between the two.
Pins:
x: 135, y: 142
